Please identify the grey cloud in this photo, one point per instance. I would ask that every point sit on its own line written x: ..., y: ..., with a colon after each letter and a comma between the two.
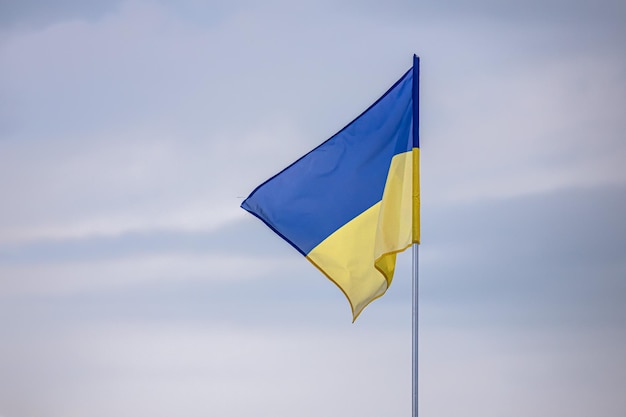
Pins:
x: 40, y: 13
x: 556, y: 11
x: 554, y: 258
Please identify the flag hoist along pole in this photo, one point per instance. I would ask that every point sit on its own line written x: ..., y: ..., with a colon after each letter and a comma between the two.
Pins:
x: 415, y: 257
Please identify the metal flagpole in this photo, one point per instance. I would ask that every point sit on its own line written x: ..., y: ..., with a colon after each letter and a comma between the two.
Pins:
x: 415, y: 327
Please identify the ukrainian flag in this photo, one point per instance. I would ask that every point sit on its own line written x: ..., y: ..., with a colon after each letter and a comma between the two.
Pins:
x: 353, y: 202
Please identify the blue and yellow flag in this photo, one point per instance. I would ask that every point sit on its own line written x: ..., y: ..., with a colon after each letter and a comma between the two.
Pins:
x: 353, y: 202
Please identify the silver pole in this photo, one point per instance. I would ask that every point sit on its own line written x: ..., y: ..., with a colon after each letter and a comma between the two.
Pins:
x: 415, y: 327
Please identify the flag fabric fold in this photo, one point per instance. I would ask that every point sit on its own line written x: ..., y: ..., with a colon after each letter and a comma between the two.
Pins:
x: 352, y: 203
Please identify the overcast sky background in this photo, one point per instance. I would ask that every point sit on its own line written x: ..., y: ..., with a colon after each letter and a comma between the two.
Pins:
x: 132, y: 284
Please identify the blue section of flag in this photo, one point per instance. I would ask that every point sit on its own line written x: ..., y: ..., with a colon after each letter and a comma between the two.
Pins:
x: 341, y: 178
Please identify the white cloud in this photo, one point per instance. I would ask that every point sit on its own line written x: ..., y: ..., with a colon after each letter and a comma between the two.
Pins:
x: 80, y: 277
x: 113, y: 183
x: 141, y: 125
x: 129, y: 369
x: 518, y: 372
x: 159, y: 369
x: 550, y: 125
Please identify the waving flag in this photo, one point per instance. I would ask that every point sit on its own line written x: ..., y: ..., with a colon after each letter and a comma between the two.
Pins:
x: 352, y: 203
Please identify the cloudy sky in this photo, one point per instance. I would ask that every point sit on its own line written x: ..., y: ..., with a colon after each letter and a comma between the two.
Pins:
x: 132, y: 284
